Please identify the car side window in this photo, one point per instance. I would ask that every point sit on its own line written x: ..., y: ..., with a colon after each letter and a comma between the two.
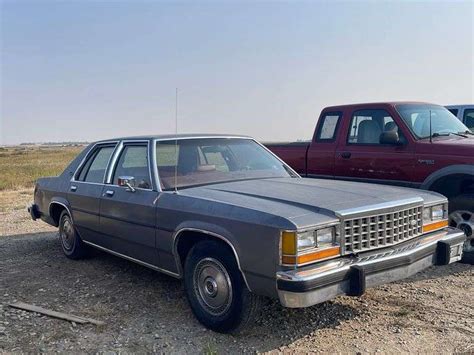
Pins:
x: 454, y: 111
x: 133, y: 162
x: 327, y: 128
x: 469, y: 118
x: 96, y: 165
x: 368, y: 125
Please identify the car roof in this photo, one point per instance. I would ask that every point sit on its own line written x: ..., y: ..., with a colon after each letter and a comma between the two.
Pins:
x: 175, y: 136
x: 460, y: 106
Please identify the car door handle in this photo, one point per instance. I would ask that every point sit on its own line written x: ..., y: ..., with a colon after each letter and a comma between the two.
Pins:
x: 109, y: 193
x: 346, y: 155
x: 73, y: 187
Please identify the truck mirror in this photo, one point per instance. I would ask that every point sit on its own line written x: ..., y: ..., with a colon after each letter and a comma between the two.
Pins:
x: 390, y: 137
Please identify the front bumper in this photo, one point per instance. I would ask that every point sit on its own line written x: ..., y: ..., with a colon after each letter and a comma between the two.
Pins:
x: 353, y: 274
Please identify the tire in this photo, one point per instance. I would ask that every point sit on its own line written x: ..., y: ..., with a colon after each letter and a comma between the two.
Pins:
x: 72, y: 245
x: 461, y: 215
x: 216, y: 290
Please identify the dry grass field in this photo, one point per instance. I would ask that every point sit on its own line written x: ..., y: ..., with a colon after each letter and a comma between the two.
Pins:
x: 21, y: 166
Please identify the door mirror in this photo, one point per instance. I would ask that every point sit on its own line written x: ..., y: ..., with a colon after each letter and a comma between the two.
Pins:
x: 390, y: 137
x: 128, y: 182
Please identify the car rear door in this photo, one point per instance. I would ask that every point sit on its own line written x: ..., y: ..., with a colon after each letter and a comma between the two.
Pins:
x: 361, y: 156
x: 127, y: 215
x: 85, y: 190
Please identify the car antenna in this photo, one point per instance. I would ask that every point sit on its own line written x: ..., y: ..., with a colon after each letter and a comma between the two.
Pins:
x: 176, y: 144
x: 431, y: 130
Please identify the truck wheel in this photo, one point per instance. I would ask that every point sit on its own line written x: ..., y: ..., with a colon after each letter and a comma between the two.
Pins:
x: 72, y: 245
x: 216, y: 290
x: 461, y: 215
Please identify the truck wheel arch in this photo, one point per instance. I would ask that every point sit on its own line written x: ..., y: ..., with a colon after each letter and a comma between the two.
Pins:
x: 459, y: 172
x: 184, y: 234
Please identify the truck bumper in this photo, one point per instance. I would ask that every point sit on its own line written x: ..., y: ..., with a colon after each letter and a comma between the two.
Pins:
x: 33, y: 210
x: 353, y: 274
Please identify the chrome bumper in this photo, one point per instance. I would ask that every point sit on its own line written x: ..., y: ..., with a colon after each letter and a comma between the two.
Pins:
x: 353, y: 274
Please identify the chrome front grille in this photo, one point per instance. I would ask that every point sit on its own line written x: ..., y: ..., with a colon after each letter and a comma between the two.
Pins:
x: 382, y: 229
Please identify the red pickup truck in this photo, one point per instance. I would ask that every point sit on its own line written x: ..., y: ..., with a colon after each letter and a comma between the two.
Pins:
x: 411, y: 144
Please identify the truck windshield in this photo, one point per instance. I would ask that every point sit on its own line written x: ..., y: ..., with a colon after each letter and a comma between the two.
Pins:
x: 443, y: 122
x: 205, y: 161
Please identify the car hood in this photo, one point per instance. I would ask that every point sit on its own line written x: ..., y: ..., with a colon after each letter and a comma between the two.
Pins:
x: 308, y: 201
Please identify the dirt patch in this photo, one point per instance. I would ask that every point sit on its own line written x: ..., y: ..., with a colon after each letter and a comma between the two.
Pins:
x: 146, y: 311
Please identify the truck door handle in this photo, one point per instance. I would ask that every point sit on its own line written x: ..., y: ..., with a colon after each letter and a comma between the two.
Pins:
x: 346, y: 155
x: 73, y: 187
x: 109, y: 193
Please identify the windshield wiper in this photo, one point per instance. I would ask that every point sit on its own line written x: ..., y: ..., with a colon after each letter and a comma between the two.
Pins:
x: 447, y: 134
x: 467, y: 132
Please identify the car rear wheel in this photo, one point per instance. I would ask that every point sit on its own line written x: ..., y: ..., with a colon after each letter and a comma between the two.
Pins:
x: 216, y: 290
x: 462, y: 216
x: 72, y: 245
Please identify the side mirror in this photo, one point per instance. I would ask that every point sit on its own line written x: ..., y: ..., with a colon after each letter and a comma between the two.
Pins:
x: 128, y: 182
x: 390, y: 137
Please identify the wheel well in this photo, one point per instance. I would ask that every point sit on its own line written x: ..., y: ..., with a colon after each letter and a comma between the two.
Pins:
x: 55, y: 211
x: 454, y: 185
x: 187, y: 239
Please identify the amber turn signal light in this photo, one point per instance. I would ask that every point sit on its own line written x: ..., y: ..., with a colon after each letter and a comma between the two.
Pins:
x: 309, y: 257
x: 434, y: 226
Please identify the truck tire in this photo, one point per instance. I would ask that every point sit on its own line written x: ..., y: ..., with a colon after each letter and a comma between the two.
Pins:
x: 72, y: 245
x: 216, y: 290
x: 461, y: 215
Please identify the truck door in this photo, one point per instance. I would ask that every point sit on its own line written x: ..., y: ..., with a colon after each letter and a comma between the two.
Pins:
x: 320, y: 157
x: 127, y: 213
x: 361, y: 156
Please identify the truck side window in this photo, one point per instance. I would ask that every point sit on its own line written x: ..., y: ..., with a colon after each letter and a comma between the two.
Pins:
x: 327, y: 128
x: 469, y: 118
x: 96, y: 165
x: 367, y: 126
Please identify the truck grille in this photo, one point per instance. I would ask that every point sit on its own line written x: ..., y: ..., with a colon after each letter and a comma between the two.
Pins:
x: 376, y: 231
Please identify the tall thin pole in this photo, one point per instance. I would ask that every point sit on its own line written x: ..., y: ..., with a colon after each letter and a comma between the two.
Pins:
x: 176, y: 145
x: 431, y: 130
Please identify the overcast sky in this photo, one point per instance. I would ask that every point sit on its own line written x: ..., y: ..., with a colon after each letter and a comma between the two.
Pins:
x: 87, y: 70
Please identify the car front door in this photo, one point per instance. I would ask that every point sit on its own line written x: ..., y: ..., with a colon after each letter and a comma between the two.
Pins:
x: 85, y: 189
x: 363, y: 157
x: 127, y: 211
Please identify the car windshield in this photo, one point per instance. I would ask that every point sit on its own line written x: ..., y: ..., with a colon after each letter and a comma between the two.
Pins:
x: 212, y: 160
x: 443, y: 122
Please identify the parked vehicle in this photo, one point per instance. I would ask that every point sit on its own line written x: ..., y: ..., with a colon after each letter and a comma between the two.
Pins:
x: 236, y: 223
x: 465, y: 113
x: 409, y: 144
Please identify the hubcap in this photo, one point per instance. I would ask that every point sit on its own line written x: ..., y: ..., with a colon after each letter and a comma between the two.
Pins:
x: 212, y: 286
x: 464, y: 220
x: 67, y: 234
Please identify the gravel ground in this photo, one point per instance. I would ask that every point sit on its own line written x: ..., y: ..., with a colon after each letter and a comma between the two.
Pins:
x: 145, y: 311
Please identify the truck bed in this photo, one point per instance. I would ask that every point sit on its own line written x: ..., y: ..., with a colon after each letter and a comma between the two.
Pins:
x: 293, y: 153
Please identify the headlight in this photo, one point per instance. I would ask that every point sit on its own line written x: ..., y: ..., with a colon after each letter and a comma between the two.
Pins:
x: 435, y: 217
x: 307, y: 246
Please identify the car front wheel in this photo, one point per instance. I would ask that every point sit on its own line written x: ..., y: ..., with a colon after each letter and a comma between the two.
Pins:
x: 216, y: 290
